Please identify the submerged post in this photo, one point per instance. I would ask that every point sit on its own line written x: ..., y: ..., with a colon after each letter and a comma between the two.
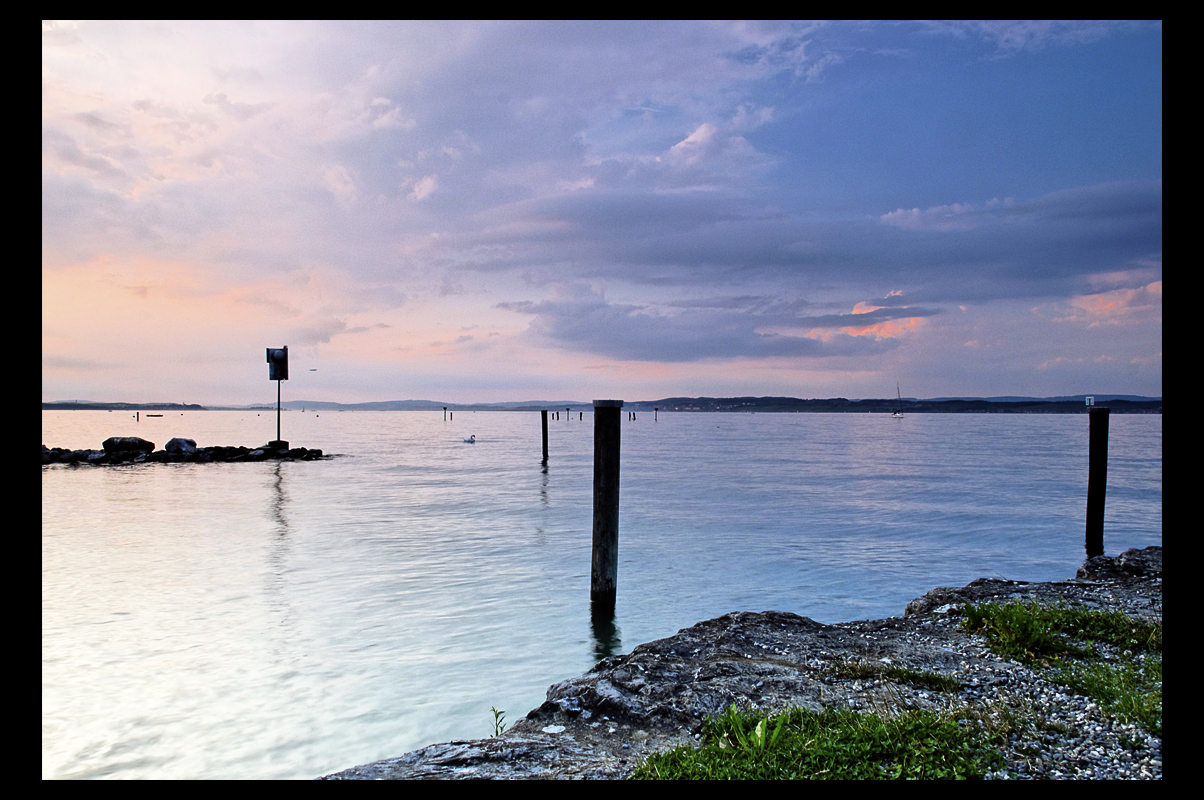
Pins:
x: 1097, y: 479
x: 544, y: 415
x: 605, y: 563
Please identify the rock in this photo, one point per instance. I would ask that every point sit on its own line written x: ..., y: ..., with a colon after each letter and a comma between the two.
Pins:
x: 602, y: 723
x: 133, y: 450
x: 127, y: 444
x: 182, y: 447
x: 1130, y: 563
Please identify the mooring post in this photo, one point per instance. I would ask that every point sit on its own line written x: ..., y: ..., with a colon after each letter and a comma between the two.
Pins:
x: 445, y: 413
x: 1097, y: 479
x: 544, y: 415
x: 605, y: 564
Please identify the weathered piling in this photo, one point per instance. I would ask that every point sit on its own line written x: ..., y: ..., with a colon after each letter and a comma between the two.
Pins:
x: 544, y: 417
x: 1097, y: 479
x: 605, y: 563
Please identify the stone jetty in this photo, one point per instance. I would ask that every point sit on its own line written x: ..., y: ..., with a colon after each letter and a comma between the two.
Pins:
x: 601, y: 724
x: 132, y: 450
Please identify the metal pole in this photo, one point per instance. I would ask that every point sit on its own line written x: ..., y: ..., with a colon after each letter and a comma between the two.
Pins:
x: 605, y: 562
x: 1097, y: 479
x: 277, y: 410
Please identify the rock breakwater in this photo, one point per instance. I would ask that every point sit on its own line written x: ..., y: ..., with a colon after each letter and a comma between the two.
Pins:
x: 133, y: 450
x: 601, y: 724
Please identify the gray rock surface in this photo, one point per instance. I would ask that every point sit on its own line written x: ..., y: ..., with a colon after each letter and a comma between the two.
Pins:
x: 600, y: 724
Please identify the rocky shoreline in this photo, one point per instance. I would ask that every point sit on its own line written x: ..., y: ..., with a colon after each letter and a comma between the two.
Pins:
x: 132, y: 450
x: 601, y: 724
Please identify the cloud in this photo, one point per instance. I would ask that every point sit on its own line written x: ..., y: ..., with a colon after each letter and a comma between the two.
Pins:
x: 1012, y: 36
x: 239, y: 111
x: 581, y: 319
x: 669, y: 192
x: 940, y: 218
x: 1119, y: 307
x: 424, y: 187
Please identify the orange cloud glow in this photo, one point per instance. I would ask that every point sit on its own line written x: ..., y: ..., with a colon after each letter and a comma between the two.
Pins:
x: 888, y: 329
x: 1118, y: 307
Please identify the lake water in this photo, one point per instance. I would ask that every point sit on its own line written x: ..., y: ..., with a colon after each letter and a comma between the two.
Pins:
x: 286, y: 620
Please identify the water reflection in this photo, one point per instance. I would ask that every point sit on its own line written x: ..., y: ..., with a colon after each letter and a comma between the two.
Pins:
x: 605, y: 631
x: 543, y: 483
x: 279, y: 499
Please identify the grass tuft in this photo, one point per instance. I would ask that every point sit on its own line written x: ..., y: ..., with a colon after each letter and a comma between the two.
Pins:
x: 877, y: 669
x: 1064, y: 640
x: 832, y: 744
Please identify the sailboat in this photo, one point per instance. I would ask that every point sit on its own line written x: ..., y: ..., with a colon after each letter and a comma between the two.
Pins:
x: 898, y: 414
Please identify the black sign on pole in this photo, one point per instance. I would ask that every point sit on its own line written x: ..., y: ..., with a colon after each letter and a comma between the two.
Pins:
x: 278, y: 371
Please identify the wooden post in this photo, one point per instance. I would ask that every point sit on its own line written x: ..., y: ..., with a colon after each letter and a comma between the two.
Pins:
x: 1097, y: 479
x: 445, y: 413
x: 605, y: 564
x: 544, y: 415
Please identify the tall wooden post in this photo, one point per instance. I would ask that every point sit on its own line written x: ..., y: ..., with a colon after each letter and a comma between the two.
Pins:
x: 605, y: 565
x: 1097, y: 479
x: 544, y: 416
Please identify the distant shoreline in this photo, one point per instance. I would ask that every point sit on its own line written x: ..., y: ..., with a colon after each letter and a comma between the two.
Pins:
x: 683, y: 404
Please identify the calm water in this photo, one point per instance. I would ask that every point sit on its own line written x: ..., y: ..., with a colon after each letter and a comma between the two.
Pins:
x: 273, y: 620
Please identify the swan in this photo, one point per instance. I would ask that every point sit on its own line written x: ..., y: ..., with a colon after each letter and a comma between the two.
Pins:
x: 472, y: 439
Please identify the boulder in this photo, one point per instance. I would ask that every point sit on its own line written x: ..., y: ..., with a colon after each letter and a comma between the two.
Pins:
x: 127, y: 444
x: 180, y: 447
x: 1130, y: 563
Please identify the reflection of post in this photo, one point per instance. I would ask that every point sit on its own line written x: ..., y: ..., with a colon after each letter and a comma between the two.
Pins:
x: 544, y: 415
x: 605, y: 564
x: 1097, y: 479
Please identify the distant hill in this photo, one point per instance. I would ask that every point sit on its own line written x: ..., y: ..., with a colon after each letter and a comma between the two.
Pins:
x: 89, y: 405
x: 1121, y: 404
x: 886, y: 405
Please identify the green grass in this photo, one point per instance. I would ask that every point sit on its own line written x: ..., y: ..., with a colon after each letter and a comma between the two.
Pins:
x: 833, y: 744
x: 876, y: 669
x: 1030, y: 633
x: 1062, y: 640
x: 1131, y: 691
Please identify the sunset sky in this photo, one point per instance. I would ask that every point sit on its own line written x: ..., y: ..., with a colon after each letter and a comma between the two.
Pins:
x: 493, y: 211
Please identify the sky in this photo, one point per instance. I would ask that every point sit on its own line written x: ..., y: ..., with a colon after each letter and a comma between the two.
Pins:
x: 505, y: 211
